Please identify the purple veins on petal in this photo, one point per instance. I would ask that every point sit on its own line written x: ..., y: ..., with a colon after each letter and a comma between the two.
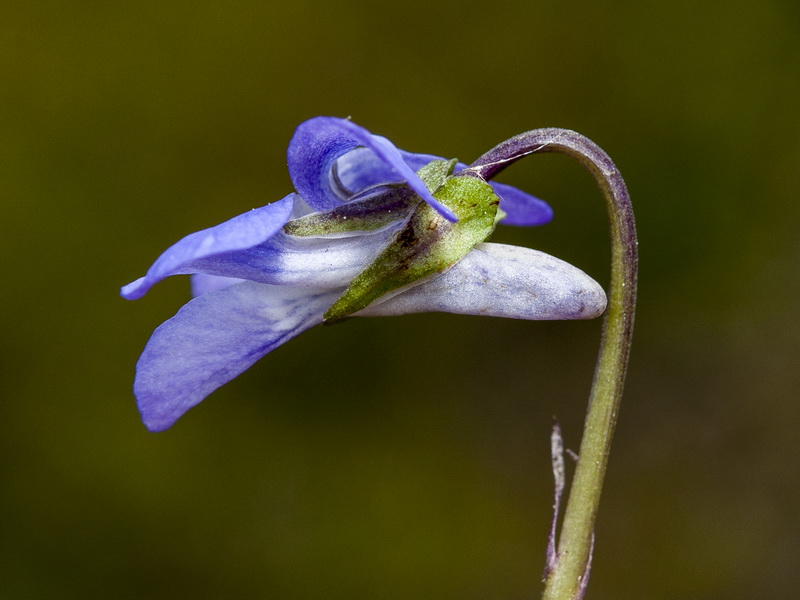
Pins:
x: 242, y: 232
x: 303, y: 261
x: 214, y: 338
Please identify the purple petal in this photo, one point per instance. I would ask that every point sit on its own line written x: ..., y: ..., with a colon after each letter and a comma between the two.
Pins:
x: 360, y: 168
x: 497, y: 280
x: 241, y: 232
x: 214, y: 338
x: 319, y: 142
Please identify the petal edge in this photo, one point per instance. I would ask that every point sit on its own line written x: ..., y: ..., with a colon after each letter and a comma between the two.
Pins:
x: 241, y: 232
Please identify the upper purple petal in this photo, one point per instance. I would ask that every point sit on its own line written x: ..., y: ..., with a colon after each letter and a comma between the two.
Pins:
x: 214, y: 338
x: 319, y: 142
x: 244, y: 231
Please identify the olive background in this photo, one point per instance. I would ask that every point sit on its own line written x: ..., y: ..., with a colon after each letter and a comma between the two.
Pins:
x: 401, y: 457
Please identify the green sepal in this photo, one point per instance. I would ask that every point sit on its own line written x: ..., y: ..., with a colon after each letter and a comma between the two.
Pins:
x: 435, y: 173
x: 428, y: 243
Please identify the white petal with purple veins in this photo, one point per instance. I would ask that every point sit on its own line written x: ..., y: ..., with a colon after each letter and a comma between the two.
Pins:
x: 302, y: 261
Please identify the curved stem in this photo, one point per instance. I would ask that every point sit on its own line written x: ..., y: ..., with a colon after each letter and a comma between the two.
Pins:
x: 568, y: 579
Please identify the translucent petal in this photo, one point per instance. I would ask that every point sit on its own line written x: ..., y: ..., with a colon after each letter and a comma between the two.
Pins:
x: 302, y: 261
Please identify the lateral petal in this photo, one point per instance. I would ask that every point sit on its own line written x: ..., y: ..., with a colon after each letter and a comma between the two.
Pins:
x: 241, y: 232
x: 502, y: 281
x: 214, y: 338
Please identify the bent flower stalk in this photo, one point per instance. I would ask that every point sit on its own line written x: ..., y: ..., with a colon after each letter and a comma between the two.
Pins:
x: 369, y: 231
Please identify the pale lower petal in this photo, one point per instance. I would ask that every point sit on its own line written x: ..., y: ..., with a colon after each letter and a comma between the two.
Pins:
x: 214, y: 338
x: 502, y: 281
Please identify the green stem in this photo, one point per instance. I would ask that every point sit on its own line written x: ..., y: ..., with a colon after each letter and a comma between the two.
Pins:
x: 568, y: 579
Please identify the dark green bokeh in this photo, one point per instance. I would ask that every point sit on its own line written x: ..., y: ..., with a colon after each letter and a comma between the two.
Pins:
x: 372, y: 459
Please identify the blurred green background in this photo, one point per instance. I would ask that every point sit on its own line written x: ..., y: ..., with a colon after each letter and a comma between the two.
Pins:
x: 375, y: 459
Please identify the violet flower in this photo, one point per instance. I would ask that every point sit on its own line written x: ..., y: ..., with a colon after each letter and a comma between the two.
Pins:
x: 370, y: 231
